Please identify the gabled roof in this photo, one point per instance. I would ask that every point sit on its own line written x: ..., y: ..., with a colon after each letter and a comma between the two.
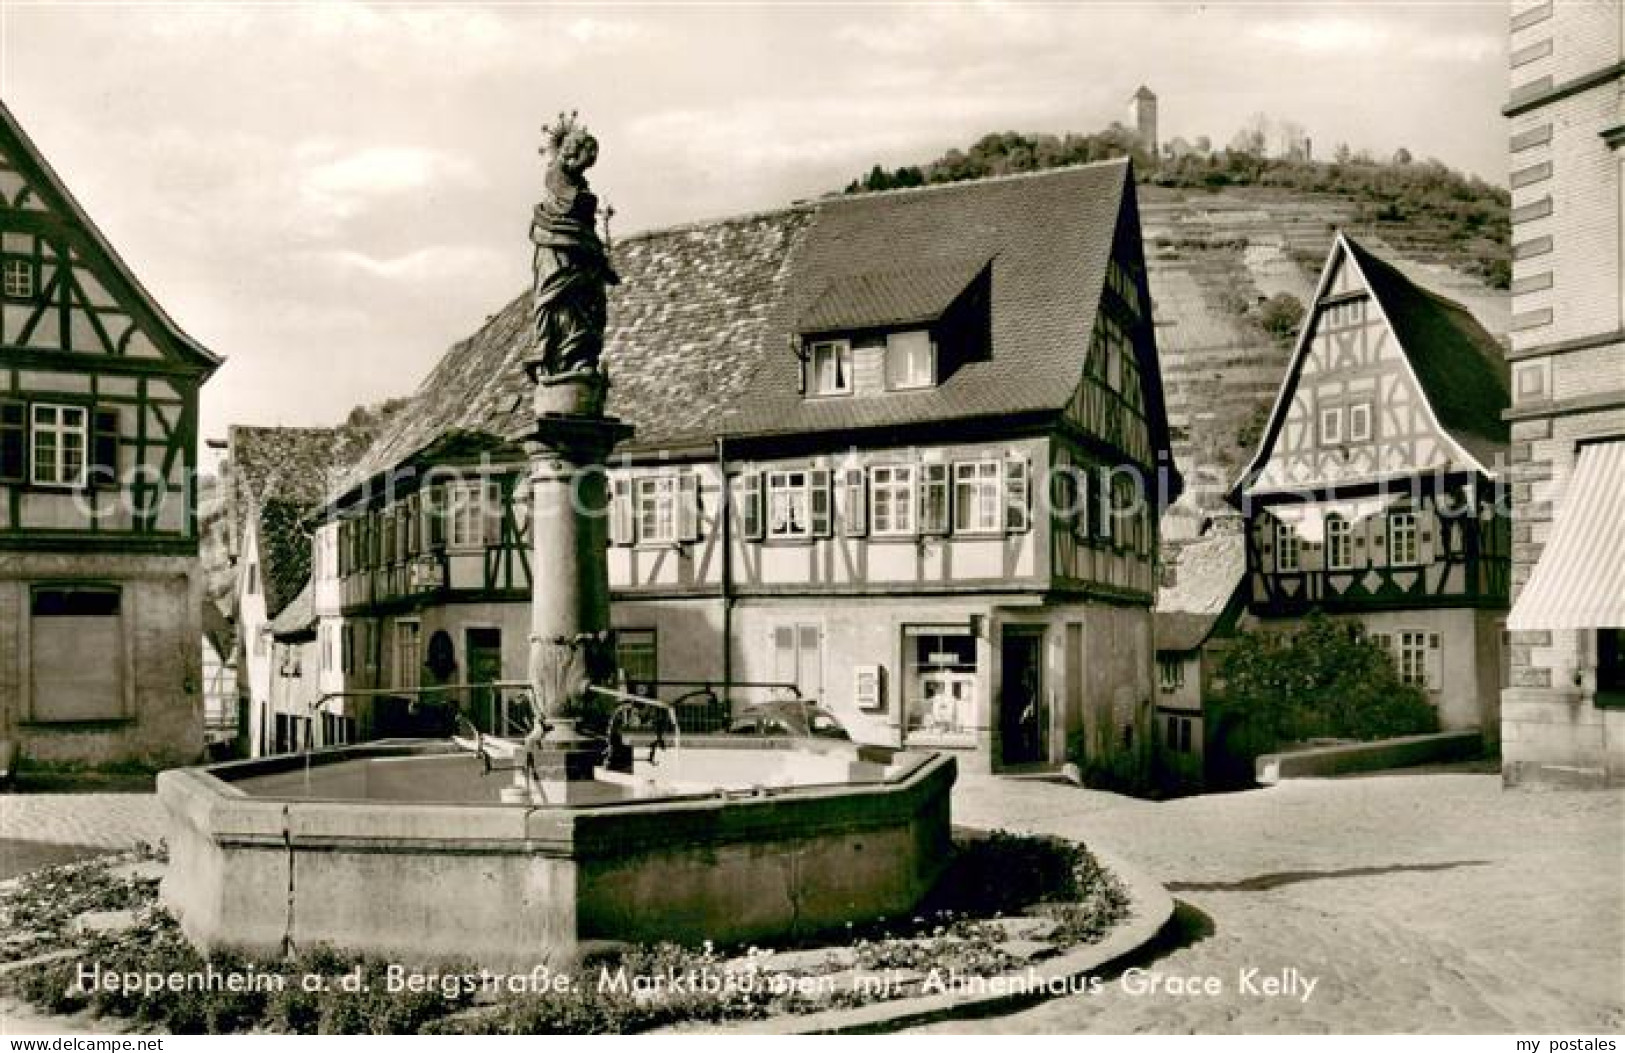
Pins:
x: 16, y: 145
x: 705, y: 325
x: 280, y: 476
x: 1460, y: 368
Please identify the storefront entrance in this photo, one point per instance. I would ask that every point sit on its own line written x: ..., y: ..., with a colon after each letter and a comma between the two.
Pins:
x: 1023, y: 713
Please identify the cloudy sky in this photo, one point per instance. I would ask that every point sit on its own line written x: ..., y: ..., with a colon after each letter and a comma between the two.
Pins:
x: 329, y: 194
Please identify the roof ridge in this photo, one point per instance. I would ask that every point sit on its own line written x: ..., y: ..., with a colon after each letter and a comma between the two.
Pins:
x: 1419, y: 286
x: 711, y: 223
x: 1006, y: 177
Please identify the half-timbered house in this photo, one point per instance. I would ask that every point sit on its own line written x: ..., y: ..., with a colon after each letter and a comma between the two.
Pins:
x: 902, y: 453
x: 278, y: 478
x: 1377, y: 491
x: 100, y: 599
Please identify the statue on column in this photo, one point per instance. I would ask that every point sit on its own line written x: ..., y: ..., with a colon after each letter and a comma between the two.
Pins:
x: 572, y: 272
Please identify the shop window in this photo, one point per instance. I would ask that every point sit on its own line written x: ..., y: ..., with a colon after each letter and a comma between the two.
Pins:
x: 940, y: 683
x: 637, y: 653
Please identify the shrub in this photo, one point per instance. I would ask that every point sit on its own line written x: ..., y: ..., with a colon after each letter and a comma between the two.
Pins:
x: 1326, y: 680
x: 1280, y: 316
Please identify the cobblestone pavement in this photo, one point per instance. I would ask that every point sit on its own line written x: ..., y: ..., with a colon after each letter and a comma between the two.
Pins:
x: 1421, y: 902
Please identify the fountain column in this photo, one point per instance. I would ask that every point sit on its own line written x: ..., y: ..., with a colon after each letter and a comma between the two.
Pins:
x: 570, y: 642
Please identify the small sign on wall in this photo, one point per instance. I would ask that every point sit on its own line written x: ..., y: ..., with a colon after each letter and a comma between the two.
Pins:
x: 869, y: 687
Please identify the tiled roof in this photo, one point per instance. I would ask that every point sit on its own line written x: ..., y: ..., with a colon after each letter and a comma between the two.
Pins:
x: 702, y: 326
x: 279, y: 476
x: 1181, y: 630
x: 1207, y: 576
x: 1461, y: 367
x: 1050, y: 235
x: 297, y: 620
x: 687, y: 331
x: 902, y: 296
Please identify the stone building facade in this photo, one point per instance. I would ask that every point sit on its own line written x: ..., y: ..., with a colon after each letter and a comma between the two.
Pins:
x: 1563, y: 717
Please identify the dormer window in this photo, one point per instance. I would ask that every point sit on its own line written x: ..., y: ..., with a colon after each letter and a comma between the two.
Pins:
x: 906, y: 328
x: 911, y: 360
x: 829, y: 365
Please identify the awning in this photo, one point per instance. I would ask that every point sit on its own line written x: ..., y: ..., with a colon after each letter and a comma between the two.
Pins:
x: 1579, y: 581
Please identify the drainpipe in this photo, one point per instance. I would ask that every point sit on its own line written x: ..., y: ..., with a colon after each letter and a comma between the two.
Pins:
x: 725, y: 509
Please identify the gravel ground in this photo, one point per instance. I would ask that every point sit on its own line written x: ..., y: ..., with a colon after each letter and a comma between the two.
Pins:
x: 42, y: 829
x: 1417, y: 902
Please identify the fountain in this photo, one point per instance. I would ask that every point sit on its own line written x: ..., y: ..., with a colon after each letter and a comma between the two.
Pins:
x: 421, y: 852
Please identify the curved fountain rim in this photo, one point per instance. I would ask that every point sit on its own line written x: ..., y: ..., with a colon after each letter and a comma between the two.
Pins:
x: 406, y: 748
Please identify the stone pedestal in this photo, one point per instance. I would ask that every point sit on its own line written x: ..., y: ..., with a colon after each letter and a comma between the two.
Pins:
x: 570, y: 627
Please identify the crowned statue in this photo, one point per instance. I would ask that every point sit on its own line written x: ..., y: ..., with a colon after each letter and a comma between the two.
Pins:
x: 571, y: 263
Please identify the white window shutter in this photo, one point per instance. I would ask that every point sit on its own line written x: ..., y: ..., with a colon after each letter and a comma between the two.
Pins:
x: 1435, y: 663
x: 855, y: 514
x: 751, y: 520
x: 621, y: 530
x: 688, y: 506
x: 1017, y: 495
x: 819, y: 501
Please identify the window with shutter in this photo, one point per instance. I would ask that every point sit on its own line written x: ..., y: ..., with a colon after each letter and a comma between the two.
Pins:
x: 855, y: 498
x: 894, y: 500
x: 13, y: 442
x: 750, y: 506
x: 59, y: 447
x: 655, y: 501
x: 789, y: 508
x: 1017, y: 510
x: 819, y: 499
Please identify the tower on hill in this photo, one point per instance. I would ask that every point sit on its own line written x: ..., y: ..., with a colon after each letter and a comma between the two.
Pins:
x: 1142, y: 117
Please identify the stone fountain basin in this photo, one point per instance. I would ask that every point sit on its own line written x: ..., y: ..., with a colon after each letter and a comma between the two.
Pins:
x: 403, y: 850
